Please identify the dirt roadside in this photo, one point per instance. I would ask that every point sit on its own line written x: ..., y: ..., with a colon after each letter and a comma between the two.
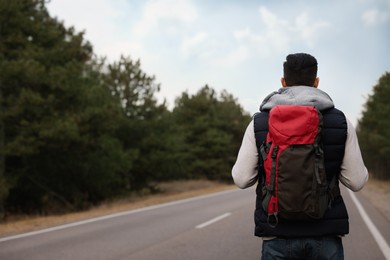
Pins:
x: 378, y: 192
x: 169, y: 192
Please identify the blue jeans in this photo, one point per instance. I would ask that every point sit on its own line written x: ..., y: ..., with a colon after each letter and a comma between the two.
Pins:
x: 329, y: 248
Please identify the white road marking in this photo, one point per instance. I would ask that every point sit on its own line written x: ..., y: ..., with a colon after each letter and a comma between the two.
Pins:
x: 120, y: 214
x: 374, y: 231
x: 211, y: 221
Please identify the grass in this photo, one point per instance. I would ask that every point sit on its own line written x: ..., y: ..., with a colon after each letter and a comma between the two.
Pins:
x: 169, y: 191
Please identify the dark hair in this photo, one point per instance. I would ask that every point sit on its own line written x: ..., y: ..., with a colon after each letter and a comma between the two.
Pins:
x: 300, y: 69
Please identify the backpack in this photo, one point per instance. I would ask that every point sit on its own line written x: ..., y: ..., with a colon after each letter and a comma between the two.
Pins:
x: 295, y: 186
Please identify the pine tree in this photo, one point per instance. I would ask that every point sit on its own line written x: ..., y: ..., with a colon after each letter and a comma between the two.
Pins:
x: 374, y: 129
x: 144, y: 133
x: 59, y: 120
x: 211, y: 128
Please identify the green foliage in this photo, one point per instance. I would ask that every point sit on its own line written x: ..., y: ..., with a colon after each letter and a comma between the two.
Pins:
x: 59, y: 142
x: 211, y: 129
x: 76, y: 130
x: 134, y: 89
x: 374, y: 129
x: 143, y: 131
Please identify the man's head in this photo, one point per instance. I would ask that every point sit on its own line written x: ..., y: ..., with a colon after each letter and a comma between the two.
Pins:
x: 300, y: 69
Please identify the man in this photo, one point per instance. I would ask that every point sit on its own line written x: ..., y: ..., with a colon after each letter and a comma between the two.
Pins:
x: 291, y: 239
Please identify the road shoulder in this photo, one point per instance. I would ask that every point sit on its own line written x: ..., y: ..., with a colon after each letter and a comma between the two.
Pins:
x: 172, y: 191
x: 378, y: 194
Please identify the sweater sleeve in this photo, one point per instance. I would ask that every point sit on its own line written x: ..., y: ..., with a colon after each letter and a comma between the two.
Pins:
x: 244, y: 171
x: 354, y: 173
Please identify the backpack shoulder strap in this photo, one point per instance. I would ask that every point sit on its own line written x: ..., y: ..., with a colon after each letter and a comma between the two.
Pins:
x: 260, y: 123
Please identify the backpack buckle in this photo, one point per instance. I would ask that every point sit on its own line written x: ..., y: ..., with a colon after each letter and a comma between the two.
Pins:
x: 264, y: 149
x: 275, y: 215
x: 274, y: 152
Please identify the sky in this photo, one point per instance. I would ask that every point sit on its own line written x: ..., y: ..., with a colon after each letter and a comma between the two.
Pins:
x: 240, y: 45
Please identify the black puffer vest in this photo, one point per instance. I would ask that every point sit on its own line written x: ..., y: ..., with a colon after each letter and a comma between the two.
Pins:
x: 335, y: 220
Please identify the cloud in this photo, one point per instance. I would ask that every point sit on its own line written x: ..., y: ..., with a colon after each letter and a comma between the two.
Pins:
x: 74, y: 12
x: 233, y: 58
x: 99, y: 23
x: 190, y: 44
x: 98, y: 20
x: 163, y: 24
x: 274, y: 36
x: 177, y: 11
x: 280, y: 33
x: 307, y: 29
x: 375, y: 17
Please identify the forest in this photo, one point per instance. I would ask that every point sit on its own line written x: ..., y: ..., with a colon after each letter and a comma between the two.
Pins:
x: 76, y: 130
x: 374, y: 130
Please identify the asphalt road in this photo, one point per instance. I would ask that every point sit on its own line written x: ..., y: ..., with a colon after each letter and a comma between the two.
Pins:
x: 217, y: 226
